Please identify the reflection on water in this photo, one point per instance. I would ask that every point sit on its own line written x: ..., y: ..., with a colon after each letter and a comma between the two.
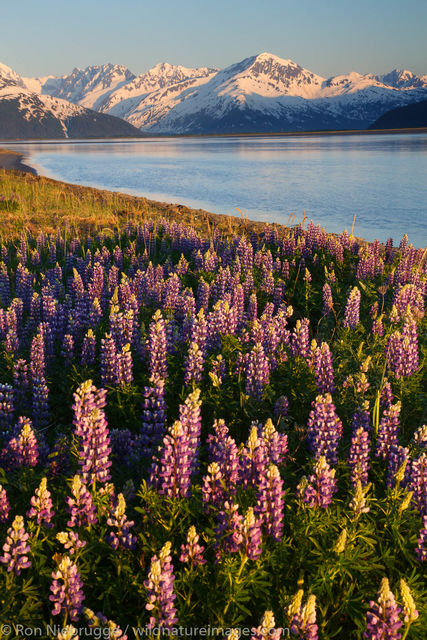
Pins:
x: 381, y: 178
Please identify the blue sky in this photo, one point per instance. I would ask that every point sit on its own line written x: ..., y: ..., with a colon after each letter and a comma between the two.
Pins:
x: 326, y: 36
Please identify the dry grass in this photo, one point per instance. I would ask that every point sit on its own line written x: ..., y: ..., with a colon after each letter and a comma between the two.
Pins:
x: 48, y: 205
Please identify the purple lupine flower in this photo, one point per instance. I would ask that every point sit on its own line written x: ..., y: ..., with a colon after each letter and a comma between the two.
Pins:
x: 397, y: 457
x: 257, y: 372
x: 95, y: 313
x: 193, y: 366
x: 358, y: 458
x: 420, y: 437
x: 88, y: 352
x: 121, y: 537
x: 218, y: 371
x: 300, y: 339
x: 4, y: 505
x: 16, y: 547
x: 41, y: 505
x: 377, y: 327
x: 410, y: 612
x: 266, y: 630
x: 40, y: 402
x: 153, y: 415
x: 303, y: 617
x: 203, y: 294
x: 6, y: 408
x: 410, y: 346
x: 192, y: 551
x: 270, y: 505
x: 382, y: 618
x: 37, y: 356
x: 160, y: 594
x: 157, y: 346
x: 358, y: 501
x: 276, y: 444
x: 170, y: 474
x: 80, y: 507
x: 22, y: 450
x: 351, y: 314
x: 409, y: 296
x: 396, y: 355
x: 317, y: 490
x: 253, y: 459
x: 67, y: 590
x: 191, y: 419
x: 362, y: 418
x: 421, y: 549
x: 108, y: 359
x: 323, y: 369
x: 124, y: 366
x: 324, y: 428
x: 251, y: 534
x: 71, y: 541
x: 67, y: 349
x: 252, y: 310
x: 91, y: 431
x: 213, y: 489
x: 418, y: 483
x: 228, y: 532
x: 386, y: 396
x: 222, y: 449
x: 21, y: 383
x: 388, y: 430
x: 328, y: 302
x: 281, y: 407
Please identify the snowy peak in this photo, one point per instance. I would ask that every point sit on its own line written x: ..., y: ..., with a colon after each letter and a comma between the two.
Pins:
x: 287, y: 76
x: 161, y: 76
x: 164, y: 75
x: 268, y: 75
x: 348, y: 83
x: 8, y: 77
x: 88, y: 87
x: 403, y: 79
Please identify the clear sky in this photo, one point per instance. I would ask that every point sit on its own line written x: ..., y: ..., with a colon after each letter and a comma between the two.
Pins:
x: 329, y: 37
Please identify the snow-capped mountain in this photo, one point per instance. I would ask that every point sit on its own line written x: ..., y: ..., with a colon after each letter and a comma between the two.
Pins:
x: 403, y: 79
x: 27, y: 114
x: 87, y: 87
x: 8, y: 77
x: 266, y: 93
x: 125, y: 100
x: 263, y: 93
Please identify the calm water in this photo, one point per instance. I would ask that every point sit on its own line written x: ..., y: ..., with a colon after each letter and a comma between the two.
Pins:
x: 380, y: 178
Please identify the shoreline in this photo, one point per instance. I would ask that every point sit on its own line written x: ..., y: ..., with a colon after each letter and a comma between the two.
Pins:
x: 255, y: 134
x: 12, y: 160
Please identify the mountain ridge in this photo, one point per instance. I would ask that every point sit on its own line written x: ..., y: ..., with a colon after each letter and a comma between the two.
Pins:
x: 262, y: 93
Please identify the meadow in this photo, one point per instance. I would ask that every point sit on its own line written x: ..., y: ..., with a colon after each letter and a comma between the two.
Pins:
x: 207, y: 424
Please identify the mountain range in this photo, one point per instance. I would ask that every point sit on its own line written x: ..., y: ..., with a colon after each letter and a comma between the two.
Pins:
x: 262, y: 93
x: 26, y: 113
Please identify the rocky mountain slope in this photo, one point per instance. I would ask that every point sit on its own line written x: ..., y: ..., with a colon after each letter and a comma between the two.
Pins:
x: 411, y: 116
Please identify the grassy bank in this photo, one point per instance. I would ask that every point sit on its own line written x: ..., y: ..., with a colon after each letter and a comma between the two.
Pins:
x: 38, y: 203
